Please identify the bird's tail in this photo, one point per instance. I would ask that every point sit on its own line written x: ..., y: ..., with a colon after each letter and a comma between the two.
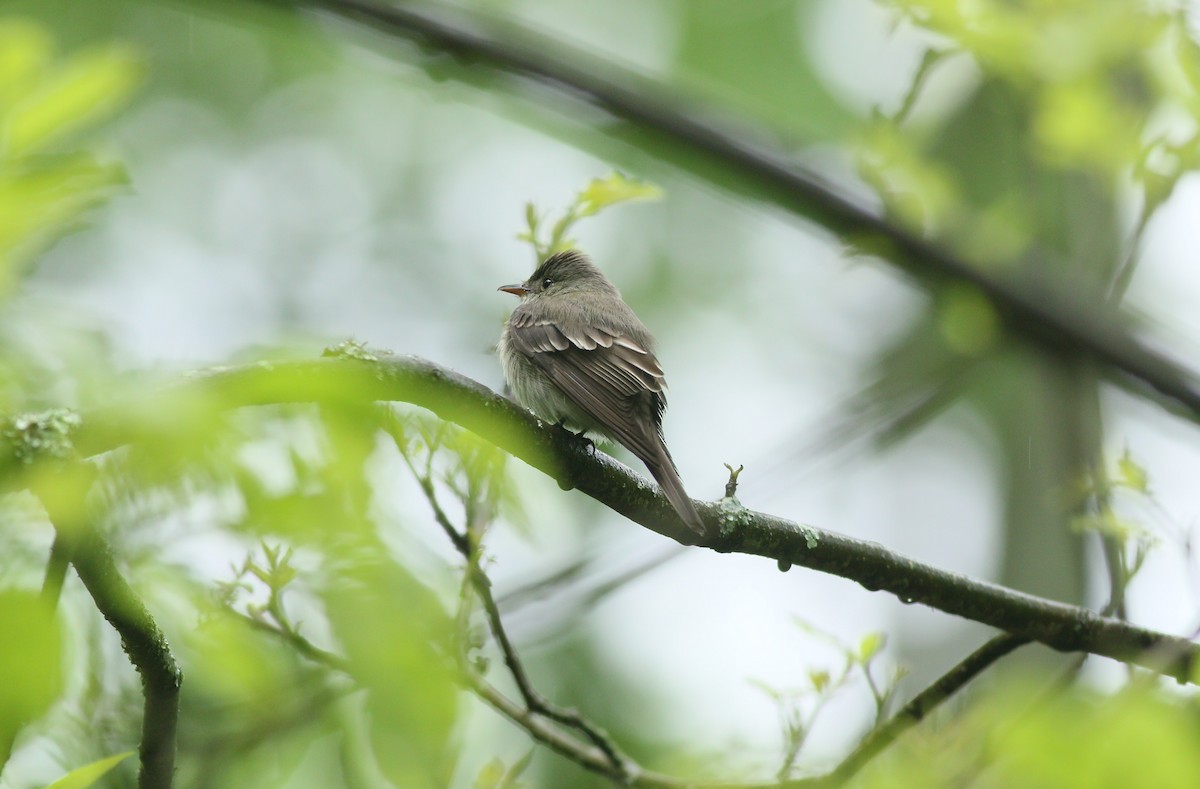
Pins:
x: 662, y: 468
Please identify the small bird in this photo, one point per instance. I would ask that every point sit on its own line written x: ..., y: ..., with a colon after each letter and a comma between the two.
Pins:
x: 575, y: 354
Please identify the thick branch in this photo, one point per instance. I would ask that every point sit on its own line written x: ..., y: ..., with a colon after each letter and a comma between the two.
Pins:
x: 76, y: 541
x: 147, y: 649
x: 1044, y: 311
x: 561, y: 456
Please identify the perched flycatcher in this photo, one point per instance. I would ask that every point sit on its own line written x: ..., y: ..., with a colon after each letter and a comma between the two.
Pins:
x: 574, y: 353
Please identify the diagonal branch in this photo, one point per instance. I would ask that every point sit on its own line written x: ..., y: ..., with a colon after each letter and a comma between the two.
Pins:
x: 619, y: 766
x: 143, y: 642
x: 560, y: 455
x: 1045, y: 312
x: 147, y: 649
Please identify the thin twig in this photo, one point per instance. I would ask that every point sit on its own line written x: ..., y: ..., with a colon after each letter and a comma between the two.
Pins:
x: 534, y: 701
x: 424, y: 478
x: 536, y: 724
x: 56, y: 570
x: 920, y: 705
x: 301, y: 644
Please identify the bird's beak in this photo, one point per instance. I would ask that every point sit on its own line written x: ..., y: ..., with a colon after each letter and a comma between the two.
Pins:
x: 516, y: 290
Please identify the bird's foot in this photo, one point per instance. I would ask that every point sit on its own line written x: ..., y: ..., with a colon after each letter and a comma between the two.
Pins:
x: 562, y: 425
x: 591, y: 445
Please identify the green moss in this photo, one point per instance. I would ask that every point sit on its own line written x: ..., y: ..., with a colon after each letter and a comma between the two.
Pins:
x: 45, y: 434
x: 732, y: 515
x: 350, y: 349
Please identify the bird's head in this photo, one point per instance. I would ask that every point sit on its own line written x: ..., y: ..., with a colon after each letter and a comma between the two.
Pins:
x: 569, y: 271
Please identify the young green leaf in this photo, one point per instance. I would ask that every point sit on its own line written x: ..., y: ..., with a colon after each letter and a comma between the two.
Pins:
x: 1133, y: 476
x: 88, y: 774
x: 616, y: 188
x: 32, y: 667
x: 870, y: 646
x: 84, y: 90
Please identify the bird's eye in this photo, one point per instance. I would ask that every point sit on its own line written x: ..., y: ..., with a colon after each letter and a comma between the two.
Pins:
x: 547, y: 282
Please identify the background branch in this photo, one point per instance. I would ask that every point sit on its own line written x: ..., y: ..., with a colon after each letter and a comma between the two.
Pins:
x: 1043, y: 311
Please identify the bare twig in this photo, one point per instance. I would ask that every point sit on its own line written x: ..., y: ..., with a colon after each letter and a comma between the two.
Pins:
x: 920, y: 705
x: 594, y: 759
x: 534, y: 701
x: 56, y: 570
x: 536, y: 724
x: 594, y: 589
x: 298, y: 642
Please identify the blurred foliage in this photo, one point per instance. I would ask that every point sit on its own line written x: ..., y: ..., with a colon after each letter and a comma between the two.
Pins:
x: 1077, y: 112
x: 750, y: 60
x: 33, y: 673
x: 800, y: 708
x: 44, y: 99
x: 1138, y: 737
x: 328, y: 653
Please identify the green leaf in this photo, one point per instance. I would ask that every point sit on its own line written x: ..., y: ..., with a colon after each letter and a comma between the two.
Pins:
x: 31, y: 666
x: 396, y: 638
x: 86, y: 88
x: 491, y: 775
x: 870, y: 646
x: 967, y: 320
x: 38, y: 202
x: 41, y: 102
x: 240, y: 668
x: 85, y: 776
x: 1109, y: 524
x: 1136, y: 738
x: 616, y: 188
x: 25, y: 50
x: 1133, y: 475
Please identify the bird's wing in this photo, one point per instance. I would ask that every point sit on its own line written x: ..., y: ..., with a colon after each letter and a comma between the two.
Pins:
x: 606, y: 373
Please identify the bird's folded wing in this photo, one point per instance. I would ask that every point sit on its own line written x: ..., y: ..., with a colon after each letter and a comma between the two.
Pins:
x: 605, y: 373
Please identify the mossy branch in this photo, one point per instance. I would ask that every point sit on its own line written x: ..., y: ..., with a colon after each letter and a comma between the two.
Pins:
x: 455, y: 398
x: 142, y: 640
